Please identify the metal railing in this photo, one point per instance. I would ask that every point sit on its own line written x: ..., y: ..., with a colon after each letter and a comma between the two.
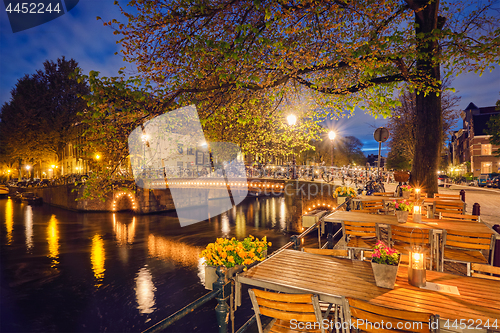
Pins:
x: 222, y: 290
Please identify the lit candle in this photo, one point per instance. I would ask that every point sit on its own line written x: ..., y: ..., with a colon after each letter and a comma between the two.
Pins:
x: 417, y: 214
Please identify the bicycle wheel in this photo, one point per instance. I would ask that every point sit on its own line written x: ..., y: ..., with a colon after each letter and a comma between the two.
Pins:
x: 327, y: 177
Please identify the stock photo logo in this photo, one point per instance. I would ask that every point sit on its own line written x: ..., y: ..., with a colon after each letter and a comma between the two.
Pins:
x: 25, y: 14
x: 204, y: 179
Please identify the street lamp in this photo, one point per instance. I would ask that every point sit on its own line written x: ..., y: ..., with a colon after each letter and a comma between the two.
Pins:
x: 291, y: 121
x: 28, y: 169
x: 331, y: 136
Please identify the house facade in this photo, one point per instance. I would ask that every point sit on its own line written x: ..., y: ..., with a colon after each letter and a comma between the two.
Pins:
x: 472, y: 144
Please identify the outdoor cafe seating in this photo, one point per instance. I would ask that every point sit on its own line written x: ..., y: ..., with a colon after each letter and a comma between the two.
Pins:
x: 348, y: 285
x: 368, y: 317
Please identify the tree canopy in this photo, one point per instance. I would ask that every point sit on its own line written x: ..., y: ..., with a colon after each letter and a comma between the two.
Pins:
x: 40, y: 117
x: 242, y: 62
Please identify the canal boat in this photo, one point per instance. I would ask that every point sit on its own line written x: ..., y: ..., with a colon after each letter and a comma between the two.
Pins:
x: 30, y: 198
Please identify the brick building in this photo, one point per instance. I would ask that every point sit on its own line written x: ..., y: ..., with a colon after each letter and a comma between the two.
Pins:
x: 471, y: 144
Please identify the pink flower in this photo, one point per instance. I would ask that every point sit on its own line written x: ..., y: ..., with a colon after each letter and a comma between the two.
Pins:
x: 376, y: 253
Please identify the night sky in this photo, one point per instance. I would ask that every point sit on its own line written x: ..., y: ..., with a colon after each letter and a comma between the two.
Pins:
x: 78, y: 35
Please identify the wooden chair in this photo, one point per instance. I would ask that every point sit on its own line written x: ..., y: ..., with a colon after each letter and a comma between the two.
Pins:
x: 400, y: 239
x: 368, y: 317
x: 466, y: 247
x: 485, y: 271
x: 447, y: 196
x: 454, y: 207
x: 360, y: 236
x: 375, y: 206
x: 327, y: 252
x: 285, y: 308
x: 421, y: 195
x: 459, y: 217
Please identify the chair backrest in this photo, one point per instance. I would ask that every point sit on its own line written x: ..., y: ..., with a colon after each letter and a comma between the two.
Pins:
x: 369, y: 317
x: 468, y: 240
x: 398, y: 234
x: 483, y: 271
x: 286, y: 307
x: 373, y: 206
x: 459, y: 217
x: 456, y: 207
x: 421, y: 195
x: 447, y: 196
x: 326, y: 252
x: 360, y: 229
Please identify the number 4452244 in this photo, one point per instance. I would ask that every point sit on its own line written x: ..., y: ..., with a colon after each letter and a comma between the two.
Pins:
x: 470, y: 324
x: 33, y: 8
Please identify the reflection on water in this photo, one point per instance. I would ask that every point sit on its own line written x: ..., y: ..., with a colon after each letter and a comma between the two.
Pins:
x: 28, y: 224
x: 145, y: 291
x: 226, y: 227
x: 111, y: 271
x: 241, y: 226
x: 53, y: 240
x: 166, y: 249
x: 125, y: 233
x: 9, y: 219
x: 97, y: 257
x: 282, y: 216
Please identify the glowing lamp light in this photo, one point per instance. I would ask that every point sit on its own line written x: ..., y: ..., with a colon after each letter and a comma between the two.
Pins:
x: 331, y: 135
x: 416, y: 267
x: 291, y: 120
x: 417, y: 214
x: 417, y: 194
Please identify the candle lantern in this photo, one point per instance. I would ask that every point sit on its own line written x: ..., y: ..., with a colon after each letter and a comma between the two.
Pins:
x: 417, y: 194
x: 416, y: 268
x: 417, y: 213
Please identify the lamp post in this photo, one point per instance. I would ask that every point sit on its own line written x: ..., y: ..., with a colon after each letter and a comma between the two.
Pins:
x: 331, y: 136
x: 291, y: 121
x: 28, y: 169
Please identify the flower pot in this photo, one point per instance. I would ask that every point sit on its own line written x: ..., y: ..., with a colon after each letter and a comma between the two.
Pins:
x: 402, y: 215
x: 211, y: 274
x: 406, y: 194
x: 341, y: 200
x: 385, y: 275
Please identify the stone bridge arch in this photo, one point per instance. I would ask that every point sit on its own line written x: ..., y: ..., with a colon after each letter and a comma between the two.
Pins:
x: 123, y: 200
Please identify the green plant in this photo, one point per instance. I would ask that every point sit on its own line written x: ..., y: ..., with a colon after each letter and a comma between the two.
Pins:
x: 403, y: 205
x: 382, y: 254
x: 406, y: 188
x: 344, y: 191
x: 230, y: 252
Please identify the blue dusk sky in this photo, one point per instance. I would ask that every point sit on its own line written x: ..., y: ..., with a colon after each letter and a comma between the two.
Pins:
x: 78, y: 35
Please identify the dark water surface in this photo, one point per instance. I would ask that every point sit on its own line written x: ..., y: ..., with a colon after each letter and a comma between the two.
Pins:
x: 63, y: 271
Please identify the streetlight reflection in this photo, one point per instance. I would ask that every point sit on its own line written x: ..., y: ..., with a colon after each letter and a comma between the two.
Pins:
x: 145, y: 291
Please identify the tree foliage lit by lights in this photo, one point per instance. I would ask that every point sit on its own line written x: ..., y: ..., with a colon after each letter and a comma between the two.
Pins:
x: 41, y: 115
x: 239, y: 61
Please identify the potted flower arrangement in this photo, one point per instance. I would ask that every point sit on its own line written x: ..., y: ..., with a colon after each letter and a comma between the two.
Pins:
x: 342, y: 193
x: 385, y: 263
x: 233, y: 254
x: 406, y: 191
x: 402, y: 209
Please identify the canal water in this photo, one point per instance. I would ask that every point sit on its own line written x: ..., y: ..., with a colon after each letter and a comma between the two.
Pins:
x: 63, y: 271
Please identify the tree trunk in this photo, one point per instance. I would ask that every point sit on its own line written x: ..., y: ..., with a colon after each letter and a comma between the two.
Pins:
x: 429, y: 116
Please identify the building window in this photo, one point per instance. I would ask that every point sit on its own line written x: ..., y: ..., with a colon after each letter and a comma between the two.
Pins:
x: 486, y: 167
x: 486, y: 149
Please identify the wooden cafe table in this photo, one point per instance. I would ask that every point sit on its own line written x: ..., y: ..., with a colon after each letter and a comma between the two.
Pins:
x: 292, y: 271
x: 437, y: 225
